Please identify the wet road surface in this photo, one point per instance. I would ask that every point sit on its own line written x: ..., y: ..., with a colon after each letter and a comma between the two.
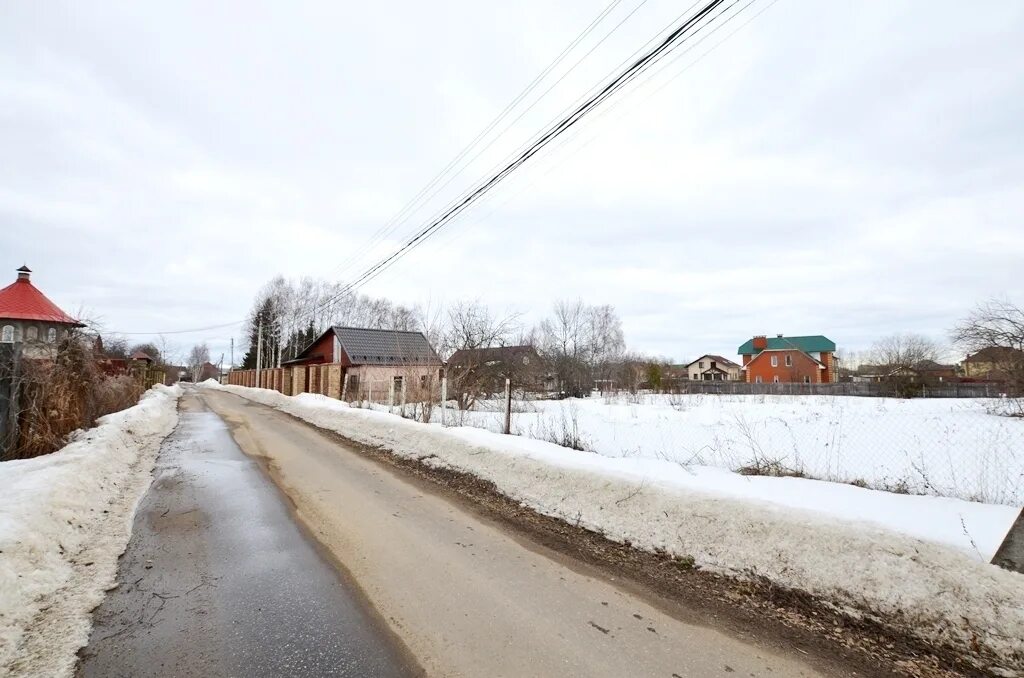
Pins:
x: 220, y: 580
x: 470, y: 598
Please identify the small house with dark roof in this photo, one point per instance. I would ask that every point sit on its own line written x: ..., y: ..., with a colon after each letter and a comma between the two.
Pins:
x: 395, y: 360
x: 142, y: 357
x: 29, y: 318
x: 488, y: 368
x: 781, y: 359
x: 710, y: 367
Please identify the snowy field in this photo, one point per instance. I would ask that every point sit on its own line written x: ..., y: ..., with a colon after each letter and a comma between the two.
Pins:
x: 918, y: 563
x: 947, y: 447
x: 64, y: 520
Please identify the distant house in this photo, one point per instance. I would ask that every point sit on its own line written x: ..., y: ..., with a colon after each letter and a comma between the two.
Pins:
x: 713, y: 368
x: 924, y: 372
x: 30, y: 328
x: 781, y: 359
x: 29, y: 319
x: 931, y: 371
x: 392, y: 359
x: 142, y: 357
x: 489, y: 367
x: 110, y: 365
x: 995, y: 362
x: 209, y: 371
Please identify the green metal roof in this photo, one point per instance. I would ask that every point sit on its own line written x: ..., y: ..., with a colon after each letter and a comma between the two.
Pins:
x: 813, y: 344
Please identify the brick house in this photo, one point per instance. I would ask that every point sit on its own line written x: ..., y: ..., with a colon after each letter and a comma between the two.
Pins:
x: 788, y: 360
x: 713, y: 368
x: 30, y: 328
x: 29, y: 319
x: 352, y: 361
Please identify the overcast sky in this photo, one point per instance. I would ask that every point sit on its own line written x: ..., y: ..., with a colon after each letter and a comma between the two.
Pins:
x: 845, y: 168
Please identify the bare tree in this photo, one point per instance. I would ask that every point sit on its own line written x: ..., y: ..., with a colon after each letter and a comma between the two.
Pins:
x: 197, y: 358
x: 996, y: 326
x: 901, y: 352
x: 582, y: 344
x: 115, y: 347
x: 473, y: 327
x: 901, y: 359
x: 150, y: 349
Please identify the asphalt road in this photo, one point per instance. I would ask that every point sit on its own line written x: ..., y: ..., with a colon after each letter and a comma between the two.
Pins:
x: 220, y: 580
x: 467, y: 597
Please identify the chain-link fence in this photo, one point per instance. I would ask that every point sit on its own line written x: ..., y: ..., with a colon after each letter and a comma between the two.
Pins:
x: 969, y: 448
x: 965, y: 447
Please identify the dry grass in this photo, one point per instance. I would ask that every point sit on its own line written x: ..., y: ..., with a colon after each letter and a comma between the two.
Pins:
x: 64, y: 393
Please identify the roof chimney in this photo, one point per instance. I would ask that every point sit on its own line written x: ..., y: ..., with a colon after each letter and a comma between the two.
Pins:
x: 778, y: 336
x: 24, y: 273
x: 760, y: 342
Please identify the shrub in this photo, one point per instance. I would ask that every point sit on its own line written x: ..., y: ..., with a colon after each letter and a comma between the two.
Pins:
x: 64, y: 392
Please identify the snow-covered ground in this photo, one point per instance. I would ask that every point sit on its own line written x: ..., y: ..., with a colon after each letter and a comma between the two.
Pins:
x: 64, y: 520
x: 947, y: 447
x: 916, y: 562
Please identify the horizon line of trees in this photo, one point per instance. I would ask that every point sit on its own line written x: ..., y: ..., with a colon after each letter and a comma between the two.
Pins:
x: 581, y: 344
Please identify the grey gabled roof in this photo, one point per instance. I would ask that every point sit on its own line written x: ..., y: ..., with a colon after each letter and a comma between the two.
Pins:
x: 473, y: 357
x: 385, y: 347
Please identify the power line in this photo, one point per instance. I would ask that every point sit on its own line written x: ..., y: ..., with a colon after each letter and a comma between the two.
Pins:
x: 381, y: 233
x: 189, y: 331
x: 525, y: 111
x: 675, y: 38
x: 568, y: 108
x: 601, y: 114
x: 471, y: 195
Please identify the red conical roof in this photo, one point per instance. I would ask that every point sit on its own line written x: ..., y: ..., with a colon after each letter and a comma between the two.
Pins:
x: 22, y: 301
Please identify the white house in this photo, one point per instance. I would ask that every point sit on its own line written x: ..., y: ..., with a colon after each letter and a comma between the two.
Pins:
x: 713, y: 368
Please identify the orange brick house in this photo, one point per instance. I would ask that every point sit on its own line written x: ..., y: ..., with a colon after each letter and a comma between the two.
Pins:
x: 788, y: 360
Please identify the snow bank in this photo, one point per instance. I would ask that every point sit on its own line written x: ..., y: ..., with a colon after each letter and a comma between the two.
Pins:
x: 64, y: 520
x: 931, y: 584
x: 953, y: 447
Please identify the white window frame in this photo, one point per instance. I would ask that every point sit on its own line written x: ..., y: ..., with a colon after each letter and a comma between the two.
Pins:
x: 31, y: 333
x: 807, y: 379
x: 757, y: 379
x: 51, y: 335
x: 789, y: 360
x: 775, y: 379
x: 775, y: 361
x: 7, y: 334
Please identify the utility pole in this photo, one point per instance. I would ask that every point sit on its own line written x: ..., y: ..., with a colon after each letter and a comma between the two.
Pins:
x: 444, y: 394
x: 259, y: 352
x: 508, y: 406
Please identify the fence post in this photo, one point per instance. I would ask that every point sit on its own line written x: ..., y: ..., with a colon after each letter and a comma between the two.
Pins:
x: 344, y: 386
x: 508, y: 406
x: 444, y: 397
